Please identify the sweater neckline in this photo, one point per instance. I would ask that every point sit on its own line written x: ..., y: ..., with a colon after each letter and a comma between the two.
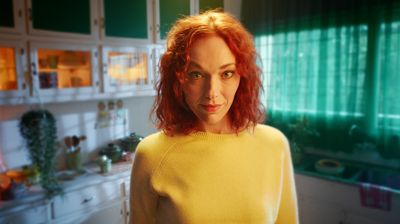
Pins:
x: 211, y: 135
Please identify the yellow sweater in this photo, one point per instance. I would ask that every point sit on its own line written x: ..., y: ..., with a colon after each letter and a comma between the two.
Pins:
x: 208, y: 178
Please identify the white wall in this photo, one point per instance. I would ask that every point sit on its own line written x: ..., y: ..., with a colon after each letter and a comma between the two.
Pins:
x: 74, y: 118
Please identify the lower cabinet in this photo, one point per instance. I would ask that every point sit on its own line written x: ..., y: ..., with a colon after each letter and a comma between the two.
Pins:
x: 98, y: 202
x: 28, y: 213
x: 101, y: 203
x: 330, y: 202
x: 110, y: 213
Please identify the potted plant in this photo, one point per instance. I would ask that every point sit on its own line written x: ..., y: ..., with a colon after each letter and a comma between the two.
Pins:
x: 38, y: 128
x: 300, y: 134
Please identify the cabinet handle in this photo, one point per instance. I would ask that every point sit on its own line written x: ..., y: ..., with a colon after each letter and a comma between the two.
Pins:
x: 33, y: 68
x: 30, y: 14
x: 158, y: 28
x: 102, y: 23
x: 86, y: 200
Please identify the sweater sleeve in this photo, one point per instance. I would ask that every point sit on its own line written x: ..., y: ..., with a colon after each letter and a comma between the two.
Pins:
x: 143, y: 199
x: 288, y: 210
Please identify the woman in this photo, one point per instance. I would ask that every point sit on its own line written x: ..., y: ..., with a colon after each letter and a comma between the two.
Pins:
x: 212, y: 162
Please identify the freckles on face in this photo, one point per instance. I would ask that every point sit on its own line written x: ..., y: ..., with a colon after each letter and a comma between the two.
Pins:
x: 211, y: 81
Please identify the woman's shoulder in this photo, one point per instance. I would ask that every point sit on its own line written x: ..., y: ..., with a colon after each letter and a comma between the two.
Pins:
x: 271, y: 136
x: 154, y: 145
x: 268, y: 131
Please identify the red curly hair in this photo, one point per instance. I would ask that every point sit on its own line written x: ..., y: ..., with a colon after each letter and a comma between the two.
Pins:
x: 172, y: 113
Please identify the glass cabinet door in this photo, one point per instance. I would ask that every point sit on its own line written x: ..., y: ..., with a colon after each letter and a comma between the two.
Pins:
x: 127, y: 20
x: 63, y: 18
x: 8, y: 69
x: 126, y: 69
x: 168, y: 12
x: 12, y: 16
x: 12, y: 65
x: 158, y: 51
x: 64, y: 69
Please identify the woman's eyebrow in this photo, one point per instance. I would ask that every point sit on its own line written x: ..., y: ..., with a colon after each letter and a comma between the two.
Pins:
x: 195, y: 64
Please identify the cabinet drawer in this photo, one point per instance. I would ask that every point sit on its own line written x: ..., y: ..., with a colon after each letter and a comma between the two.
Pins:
x: 83, y: 200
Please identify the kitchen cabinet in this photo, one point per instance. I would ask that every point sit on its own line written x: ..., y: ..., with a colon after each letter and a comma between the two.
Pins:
x: 165, y: 15
x: 210, y: 4
x: 158, y: 51
x: 167, y: 12
x: 63, y: 71
x: 65, y: 50
x: 96, y: 203
x: 127, y: 21
x: 12, y: 69
x: 89, y: 198
x: 12, y: 16
x: 32, y: 213
x: 316, y: 211
x: 63, y: 18
x: 325, y: 201
x: 127, y: 69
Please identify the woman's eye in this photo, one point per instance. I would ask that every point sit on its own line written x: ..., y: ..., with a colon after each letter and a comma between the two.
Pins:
x: 195, y: 75
x: 228, y: 74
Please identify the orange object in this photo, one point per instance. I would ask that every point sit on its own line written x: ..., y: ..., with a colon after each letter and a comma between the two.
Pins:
x: 17, y: 175
x: 5, y: 182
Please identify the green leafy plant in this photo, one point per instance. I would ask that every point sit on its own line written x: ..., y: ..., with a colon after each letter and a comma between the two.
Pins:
x: 301, y: 133
x: 38, y: 128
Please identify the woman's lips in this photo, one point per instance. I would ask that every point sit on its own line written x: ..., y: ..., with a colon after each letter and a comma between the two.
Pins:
x: 211, y: 108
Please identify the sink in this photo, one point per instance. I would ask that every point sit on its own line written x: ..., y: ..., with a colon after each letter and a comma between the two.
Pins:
x: 349, y: 172
x: 379, y: 177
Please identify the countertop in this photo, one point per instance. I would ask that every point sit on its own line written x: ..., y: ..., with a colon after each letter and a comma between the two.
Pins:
x: 91, y: 176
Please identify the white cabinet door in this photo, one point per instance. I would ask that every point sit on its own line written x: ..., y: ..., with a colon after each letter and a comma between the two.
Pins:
x: 128, y: 70
x: 112, y: 214
x: 14, y: 23
x: 63, y: 72
x: 13, y: 66
x: 316, y: 212
x: 83, y: 202
x: 357, y: 219
x: 63, y: 19
x: 37, y: 214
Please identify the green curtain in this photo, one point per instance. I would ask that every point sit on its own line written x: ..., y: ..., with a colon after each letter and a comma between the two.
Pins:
x: 331, y: 71
x: 388, y: 86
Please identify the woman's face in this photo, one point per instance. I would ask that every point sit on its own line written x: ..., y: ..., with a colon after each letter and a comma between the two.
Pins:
x: 211, y: 82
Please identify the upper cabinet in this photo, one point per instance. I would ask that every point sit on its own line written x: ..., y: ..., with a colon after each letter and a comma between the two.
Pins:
x: 167, y: 12
x: 12, y: 16
x: 63, y: 18
x: 55, y: 51
x: 126, y: 20
x: 210, y: 4
x: 12, y: 70
x: 64, y: 71
x: 127, y: 69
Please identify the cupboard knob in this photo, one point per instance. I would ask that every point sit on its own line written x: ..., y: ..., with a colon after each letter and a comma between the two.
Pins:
x: 86, y: 200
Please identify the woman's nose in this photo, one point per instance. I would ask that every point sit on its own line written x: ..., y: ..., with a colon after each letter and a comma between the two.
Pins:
x: 212, y: 88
